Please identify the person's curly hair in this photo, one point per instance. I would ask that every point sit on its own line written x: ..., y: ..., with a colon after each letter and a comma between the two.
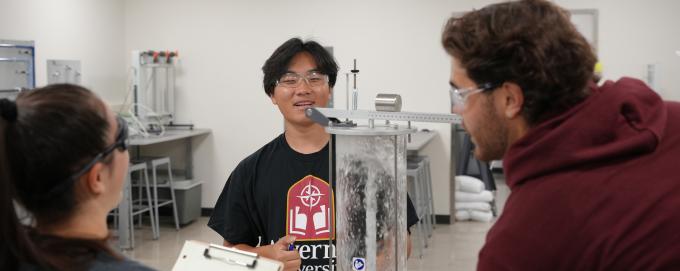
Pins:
x: 531, y: 43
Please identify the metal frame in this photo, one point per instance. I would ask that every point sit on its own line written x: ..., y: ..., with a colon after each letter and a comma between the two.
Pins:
x: 391, y: 116
x: 145, y: 76
x: 392, y: 131
x: 328, y: 117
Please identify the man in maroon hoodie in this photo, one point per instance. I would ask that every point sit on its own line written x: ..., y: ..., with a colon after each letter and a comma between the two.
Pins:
x: 593, y: 171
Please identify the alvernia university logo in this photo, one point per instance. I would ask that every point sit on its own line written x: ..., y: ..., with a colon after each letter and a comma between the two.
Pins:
x: 309, y: 209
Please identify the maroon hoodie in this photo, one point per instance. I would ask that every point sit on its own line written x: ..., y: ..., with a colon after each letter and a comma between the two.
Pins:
x: 595, y: 188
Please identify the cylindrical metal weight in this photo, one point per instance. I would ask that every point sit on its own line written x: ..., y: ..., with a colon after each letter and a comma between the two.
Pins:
x: 388, y: 102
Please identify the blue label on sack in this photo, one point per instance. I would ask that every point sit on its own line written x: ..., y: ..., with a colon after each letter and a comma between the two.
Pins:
x: 358, y: 264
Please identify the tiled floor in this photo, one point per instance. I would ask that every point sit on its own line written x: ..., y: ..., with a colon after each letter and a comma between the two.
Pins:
x: 451, y: 247
x: 162, y: 253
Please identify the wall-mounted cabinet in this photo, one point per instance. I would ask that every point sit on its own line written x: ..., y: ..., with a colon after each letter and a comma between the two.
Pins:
x: 17, y: 67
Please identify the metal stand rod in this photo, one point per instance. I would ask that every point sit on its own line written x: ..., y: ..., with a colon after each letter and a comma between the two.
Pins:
x: 330, y: 199
x: 347, y: 91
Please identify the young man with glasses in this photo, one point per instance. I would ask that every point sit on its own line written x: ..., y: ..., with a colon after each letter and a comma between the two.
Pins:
x: 592, y: 170
x: 276, y: 201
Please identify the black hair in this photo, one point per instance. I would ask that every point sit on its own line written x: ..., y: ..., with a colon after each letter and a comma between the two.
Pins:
x: 16, y: 245
x: 47, y: 135
x: 277, y: 64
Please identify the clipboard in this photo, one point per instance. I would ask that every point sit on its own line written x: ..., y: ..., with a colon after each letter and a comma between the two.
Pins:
x: 197, y: 255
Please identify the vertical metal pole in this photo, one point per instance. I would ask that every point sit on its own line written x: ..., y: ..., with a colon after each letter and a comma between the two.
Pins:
x: 330, y: 199
x: 355, y: 73
x: 409, y: 134
x: 398, y: 233
x: 124, y: 223
x: 355, y: 93
x: 347, y: 90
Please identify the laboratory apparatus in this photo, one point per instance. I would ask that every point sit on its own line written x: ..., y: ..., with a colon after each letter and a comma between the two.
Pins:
x: 355, y: 91
x: 368, y: 163
x: 153, y: 86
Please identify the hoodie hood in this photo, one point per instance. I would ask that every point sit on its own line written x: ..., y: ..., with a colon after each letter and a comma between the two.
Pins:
x: 617, y: 121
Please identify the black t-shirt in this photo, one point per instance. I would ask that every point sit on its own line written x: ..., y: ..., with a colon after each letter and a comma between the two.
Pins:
x: 275, y: 192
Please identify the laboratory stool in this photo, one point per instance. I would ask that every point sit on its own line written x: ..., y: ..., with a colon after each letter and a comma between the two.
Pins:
x: 425, y: 198
x: 423, y: 163
x: 140, y: 204
x: 135, y: 206
x: 155, y: 163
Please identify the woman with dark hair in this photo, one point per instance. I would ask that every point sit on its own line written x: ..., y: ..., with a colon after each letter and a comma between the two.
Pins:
x: 63, y: 158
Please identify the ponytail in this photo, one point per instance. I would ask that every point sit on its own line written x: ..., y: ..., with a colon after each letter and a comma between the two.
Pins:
x: 16, y: 245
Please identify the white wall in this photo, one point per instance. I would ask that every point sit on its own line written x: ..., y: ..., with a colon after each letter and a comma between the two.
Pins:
x: 633, y: 34
x: 87, y: 30
x: 223, y: 44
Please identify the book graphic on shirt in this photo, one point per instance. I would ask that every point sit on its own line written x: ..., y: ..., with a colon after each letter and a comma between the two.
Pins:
x: 309, y: 211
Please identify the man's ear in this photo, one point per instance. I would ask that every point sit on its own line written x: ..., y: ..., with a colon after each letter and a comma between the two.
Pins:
x: 271, y: 96
x: 513, y: 99
x: 93, y: 179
